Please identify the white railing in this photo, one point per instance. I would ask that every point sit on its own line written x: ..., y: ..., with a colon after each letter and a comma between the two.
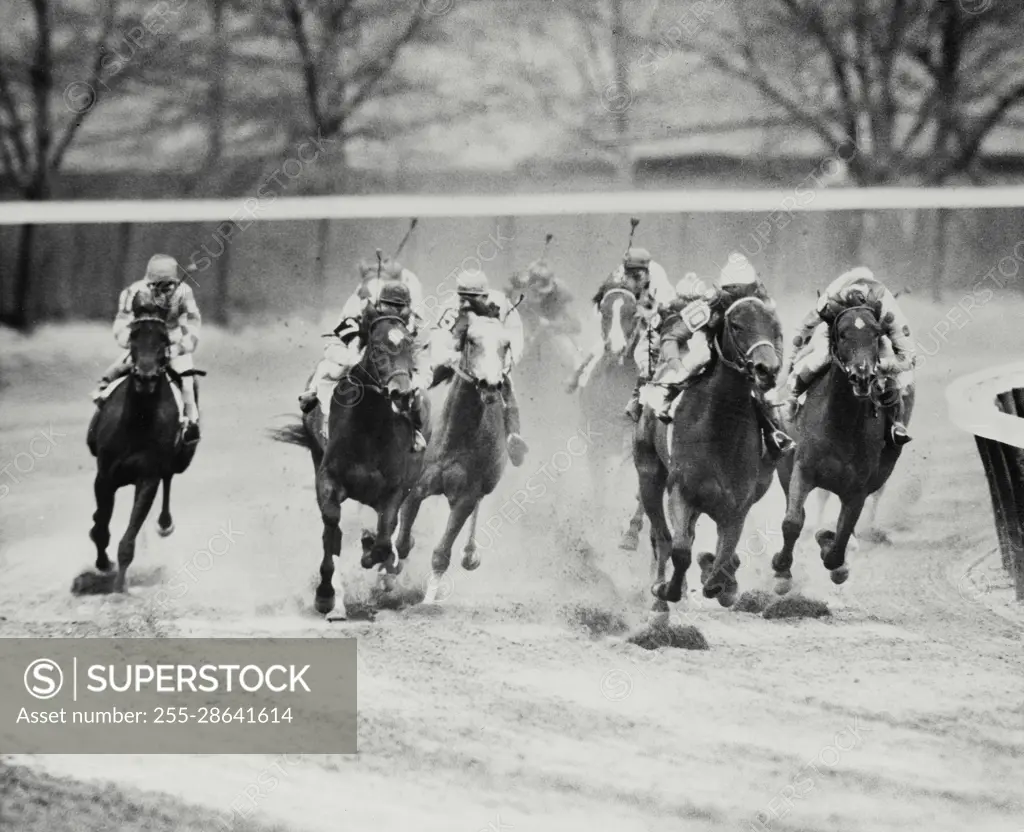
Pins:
x: 990, y: 405
x: 523, y: 205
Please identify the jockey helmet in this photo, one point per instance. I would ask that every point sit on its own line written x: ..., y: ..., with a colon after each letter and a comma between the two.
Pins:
x: 857, y: 273
x: 366, y: 269
x: 162, y: 276
x: 394, y: 294
x: 691, y: 286
x: 471, y: 284
x: 541, y: 277
x: 737, y: 272
x: 636, y: 258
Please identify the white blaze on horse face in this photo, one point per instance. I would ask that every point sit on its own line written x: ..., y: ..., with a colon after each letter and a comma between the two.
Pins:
x: 616, y: 337
x: 487, y: 337
x: 859, y: 323
x: 396, y: 337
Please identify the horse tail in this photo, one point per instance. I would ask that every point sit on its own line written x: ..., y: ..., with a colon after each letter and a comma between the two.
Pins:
x: 294, y: 434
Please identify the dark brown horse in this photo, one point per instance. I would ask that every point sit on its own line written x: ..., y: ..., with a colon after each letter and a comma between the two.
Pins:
x: 603, y: 398
x: 841, y: 442
x: 466, y: 456
x: 368, y: 457
x: 135, y: 436
x: 711, y: 460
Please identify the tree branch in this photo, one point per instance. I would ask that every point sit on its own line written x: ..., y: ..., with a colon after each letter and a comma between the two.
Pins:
x: 94, y: 82
x: 41, y: 81
x: 973, y: 140
x: 297, y: 22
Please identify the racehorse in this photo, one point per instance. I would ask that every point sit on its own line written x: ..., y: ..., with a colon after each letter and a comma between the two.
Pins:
x: 603, y: 397
x: 711, y: 458
x: 135, y: 436
x: 368, y: 456
x: 841, y: 442
x: 467, y: 453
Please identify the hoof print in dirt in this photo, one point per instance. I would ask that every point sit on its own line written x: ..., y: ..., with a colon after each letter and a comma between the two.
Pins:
x: 756, y: 601
x: 91, y: 582
x: 797, y: 606
x: 669, y: 635
x: 595, y: 621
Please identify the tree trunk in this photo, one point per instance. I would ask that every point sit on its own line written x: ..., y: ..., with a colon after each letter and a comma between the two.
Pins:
x: 18, y: 315
x: 215, y: 94
x: 623, y: 94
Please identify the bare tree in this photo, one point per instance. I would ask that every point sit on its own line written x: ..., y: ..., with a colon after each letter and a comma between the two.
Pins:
x: 54, y: 70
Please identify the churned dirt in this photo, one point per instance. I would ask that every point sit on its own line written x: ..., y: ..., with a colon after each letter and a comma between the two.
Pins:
x: 523, y: 703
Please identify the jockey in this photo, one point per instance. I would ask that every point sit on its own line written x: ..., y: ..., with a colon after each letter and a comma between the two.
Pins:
x: 857, y: 287
x: 372, y: 277
x: 475, y: 296
x: 699, y: 309
x: 161, y: 287
x: 548, y: 306
x: 648, y: 282
x: 345, y: 350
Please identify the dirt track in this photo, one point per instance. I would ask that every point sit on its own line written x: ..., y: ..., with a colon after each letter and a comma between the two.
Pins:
x: 902, y: 711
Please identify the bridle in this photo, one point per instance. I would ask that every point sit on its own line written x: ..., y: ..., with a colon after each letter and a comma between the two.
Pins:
x: 833, y: 344
x: 463, y: 371
x: 373, y: 382
x: 133, y: 327
x: 635, y: 335
x: 743, y: 365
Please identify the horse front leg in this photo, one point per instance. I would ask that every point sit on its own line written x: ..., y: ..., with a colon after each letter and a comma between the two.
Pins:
x: 653, y: 478
x: 792, y: 525
x: 145, y: 494
x: 721, y: 579
x: 383, y: 551
x: 329, y: 497
x: 684, y: 522
x: 165, y: 523
x: 459, y: 510
x: 407, y: 518
x: 99, y: 534
x: 630, y: 541
x: 833, y: 544
x: 470, y: 559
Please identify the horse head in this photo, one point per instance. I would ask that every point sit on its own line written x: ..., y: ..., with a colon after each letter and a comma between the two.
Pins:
x: 485, y: 349
x: 148, y: 343
x: 620, y: 321
x: 389, y: 357
x: 855, y: 346
x: 751, y: 335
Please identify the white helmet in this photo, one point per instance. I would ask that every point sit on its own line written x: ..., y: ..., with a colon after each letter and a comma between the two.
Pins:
x: 737, y: 272
x: 857, y: 273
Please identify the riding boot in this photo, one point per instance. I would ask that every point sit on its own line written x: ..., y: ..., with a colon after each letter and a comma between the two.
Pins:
x: 188, y: 395
x: 634, y: 409
x: 517, y: 447
x: 416, y: 416
x: 898, y: 435
x: 664, y: 410
x: 777, y: 441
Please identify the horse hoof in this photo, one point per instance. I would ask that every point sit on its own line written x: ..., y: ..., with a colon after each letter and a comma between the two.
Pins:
x: 705, y: 561
x: 712, y: 591
x: 660, y: 590
x: 104, y: 568
x: 367, y: 561
x: 367, y: 539
x: 840, y: 575
x: 727, y: 598
x: 825, y: 538
x: 470, y: 560
x: 338, y: 614
x: 630, y: 541
x: 165, y: 531
x: 323, y: 605
x: 783, y: 585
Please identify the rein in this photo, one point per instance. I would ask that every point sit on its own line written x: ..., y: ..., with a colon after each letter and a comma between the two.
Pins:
x: 744, y: 366
x: 373, y: 383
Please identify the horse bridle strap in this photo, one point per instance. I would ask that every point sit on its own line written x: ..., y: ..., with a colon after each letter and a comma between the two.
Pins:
x: 372, y: 383
x: 764, y: 342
